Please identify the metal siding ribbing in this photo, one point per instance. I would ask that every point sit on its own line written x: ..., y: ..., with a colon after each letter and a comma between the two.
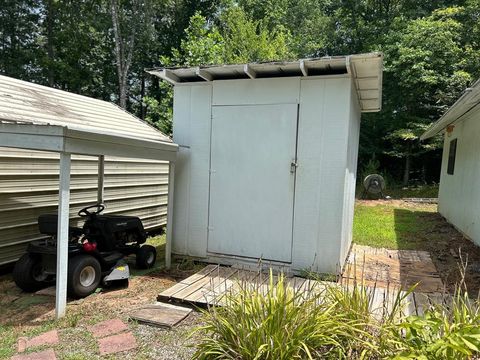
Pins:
x: 29, y: 187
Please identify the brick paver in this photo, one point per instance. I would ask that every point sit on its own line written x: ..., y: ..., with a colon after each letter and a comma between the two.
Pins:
x: 117, y: 343
x: 48, y: 338
x: 48, y: 354
x: 108, y: 327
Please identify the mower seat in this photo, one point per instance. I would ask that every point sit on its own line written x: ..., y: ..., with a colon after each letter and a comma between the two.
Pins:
x: 48, y: 223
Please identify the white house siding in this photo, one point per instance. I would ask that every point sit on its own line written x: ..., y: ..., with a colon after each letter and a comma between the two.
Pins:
x: 29, y: 187
x: 459, y: 194
x: 327, y: 147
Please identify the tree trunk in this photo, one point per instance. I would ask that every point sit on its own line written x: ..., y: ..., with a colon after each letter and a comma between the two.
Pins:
x: 123, y: 50
x: 50, y: 53
x: 406, y: 173
x: 142, y: 95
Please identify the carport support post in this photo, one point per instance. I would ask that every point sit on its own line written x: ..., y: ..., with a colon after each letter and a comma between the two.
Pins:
x: 101, y: 179
x: 168, y: 243
x: 62, y: 236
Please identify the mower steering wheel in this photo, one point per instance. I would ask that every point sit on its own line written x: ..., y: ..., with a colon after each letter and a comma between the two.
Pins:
x: 85, y: 211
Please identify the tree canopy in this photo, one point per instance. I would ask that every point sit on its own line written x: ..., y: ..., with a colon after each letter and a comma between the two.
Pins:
x: 100, y: 48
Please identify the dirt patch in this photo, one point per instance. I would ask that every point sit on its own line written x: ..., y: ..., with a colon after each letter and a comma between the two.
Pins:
x: 28, y: 315
x: 448, y: 248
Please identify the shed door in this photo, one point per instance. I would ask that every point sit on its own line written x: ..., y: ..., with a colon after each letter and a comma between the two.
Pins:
x: 251, y: 181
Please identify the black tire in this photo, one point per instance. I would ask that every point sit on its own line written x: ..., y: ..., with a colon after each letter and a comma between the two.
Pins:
x: 146, y: 257
x: 27, y: 273
x: 84, y: 275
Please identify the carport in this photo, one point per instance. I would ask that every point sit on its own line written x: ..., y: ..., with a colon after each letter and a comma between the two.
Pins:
x: 40, y: 118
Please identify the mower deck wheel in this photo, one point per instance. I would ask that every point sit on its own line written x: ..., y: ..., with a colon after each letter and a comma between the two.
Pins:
x: 146, y: 257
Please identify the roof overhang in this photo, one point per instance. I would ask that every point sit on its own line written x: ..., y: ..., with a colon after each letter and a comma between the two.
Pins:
x: 78, y: 141
x: 464, y: 107
x: 365, y: 69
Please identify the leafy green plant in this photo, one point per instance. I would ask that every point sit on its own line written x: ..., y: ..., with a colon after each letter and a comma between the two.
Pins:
x: 278, y: 322
x: 334, y: 321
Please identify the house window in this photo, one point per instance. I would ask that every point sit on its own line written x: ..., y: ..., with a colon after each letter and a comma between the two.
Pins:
x: 451, y: 157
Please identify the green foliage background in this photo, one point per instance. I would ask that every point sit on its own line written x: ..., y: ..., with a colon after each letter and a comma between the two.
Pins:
x: 432, y: 53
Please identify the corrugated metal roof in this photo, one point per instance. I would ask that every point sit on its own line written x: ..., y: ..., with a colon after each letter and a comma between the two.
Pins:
x: 365, y: 69
x: 466, y: 105
x: 22, y: 102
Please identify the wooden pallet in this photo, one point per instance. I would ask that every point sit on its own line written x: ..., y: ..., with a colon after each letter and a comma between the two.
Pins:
x: 384, y: 268
x: 209, y: 285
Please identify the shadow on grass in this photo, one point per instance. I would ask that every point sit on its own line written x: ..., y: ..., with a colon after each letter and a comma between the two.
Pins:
x: 448, y: 249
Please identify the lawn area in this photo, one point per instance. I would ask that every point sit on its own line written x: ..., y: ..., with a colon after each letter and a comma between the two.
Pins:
x: 392, y: 224
x: 403, y: 225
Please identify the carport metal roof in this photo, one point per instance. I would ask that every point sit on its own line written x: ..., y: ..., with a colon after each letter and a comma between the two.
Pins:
x: 465, y: 106
x: 365, y: 69
x: 41, y: 118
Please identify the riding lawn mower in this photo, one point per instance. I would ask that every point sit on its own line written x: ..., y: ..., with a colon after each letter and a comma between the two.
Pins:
x: 96, y: 252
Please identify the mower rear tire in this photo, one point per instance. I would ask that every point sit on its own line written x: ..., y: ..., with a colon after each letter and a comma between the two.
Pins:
x: 84, y: 276
x: 146, y: 257
x: 28, y: 273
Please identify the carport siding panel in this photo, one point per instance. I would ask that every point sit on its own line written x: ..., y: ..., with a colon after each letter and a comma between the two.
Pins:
x: 29, y: 187
x: 320, y: 182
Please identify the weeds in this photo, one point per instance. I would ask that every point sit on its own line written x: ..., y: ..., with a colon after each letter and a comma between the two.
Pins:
x: 332, y: 321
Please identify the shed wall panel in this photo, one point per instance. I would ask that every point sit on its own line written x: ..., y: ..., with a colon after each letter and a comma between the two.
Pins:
x: 459, y: 194
x: 322, y: 157
x: 259, y: 91
x: 191, y: 130
x: 29, y: 187
x: 350, y: 175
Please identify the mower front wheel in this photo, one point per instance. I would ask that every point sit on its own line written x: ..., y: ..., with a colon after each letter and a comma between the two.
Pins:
x: 84, y: 275
x: 146, y: 257
x: 28, y: 273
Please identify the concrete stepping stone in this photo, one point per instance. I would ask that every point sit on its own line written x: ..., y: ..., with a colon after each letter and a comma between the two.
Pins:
x: 108, y: 327
x: 48, y: 354
x: 161, y: 314
x: 48, y: 338
x: 117, y: 343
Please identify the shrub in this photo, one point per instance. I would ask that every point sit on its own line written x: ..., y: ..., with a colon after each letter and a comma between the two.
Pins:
x: 332, y: 321
x: 442, y: 332
x: 277, y: 322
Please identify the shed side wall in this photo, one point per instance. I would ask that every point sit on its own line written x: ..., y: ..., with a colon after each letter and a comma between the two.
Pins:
x: 323, y: 136
x: 29, y: 187
x: 459, y: 194
x: 350, y: 175
x: 191, y: 131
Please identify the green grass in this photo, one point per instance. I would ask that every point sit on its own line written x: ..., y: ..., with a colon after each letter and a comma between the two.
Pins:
x: 420, y: 191
x: 391, y: 226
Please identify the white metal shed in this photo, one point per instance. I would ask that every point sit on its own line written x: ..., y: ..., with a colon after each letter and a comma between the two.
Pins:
x: 268, y: 158
x: 40, y: 118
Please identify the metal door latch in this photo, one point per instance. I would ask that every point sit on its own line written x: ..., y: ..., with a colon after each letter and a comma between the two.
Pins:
x: 293, y: 166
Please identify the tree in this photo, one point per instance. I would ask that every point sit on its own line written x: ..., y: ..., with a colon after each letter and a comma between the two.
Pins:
x: 425, y: 71
x: 19, y: 27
